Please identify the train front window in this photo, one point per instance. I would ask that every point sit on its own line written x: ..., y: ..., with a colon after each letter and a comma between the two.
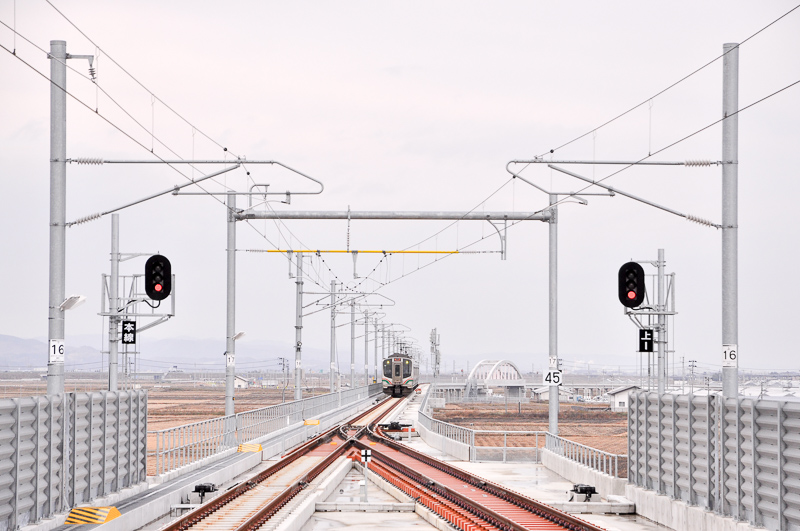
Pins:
x: 406, y: 368
x: 387, y: 368
x: 397, y: 370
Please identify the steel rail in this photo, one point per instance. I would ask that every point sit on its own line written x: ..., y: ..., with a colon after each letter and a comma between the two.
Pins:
x: 215, y: 504
x: 533, y: 506
x: 482, y: 512
x: 269, y: 510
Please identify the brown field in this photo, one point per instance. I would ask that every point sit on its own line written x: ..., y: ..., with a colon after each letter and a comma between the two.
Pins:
x: 593, y: 425
x: 168, y: 404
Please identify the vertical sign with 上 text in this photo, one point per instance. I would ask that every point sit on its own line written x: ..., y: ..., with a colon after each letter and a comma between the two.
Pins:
x: 645, y: 340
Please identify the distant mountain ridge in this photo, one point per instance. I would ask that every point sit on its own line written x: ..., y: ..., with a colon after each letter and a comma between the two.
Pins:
x: 20, y: 353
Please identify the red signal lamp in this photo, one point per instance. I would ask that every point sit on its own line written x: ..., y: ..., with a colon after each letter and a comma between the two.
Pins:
x: 631, y: 285
x: 158, y: 287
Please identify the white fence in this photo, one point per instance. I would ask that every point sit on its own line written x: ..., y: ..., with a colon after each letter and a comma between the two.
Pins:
x: 468, y: 443
x: 183, y: 445
x: 60, y: 451
x: 738, y: 457
x: 612, y: 464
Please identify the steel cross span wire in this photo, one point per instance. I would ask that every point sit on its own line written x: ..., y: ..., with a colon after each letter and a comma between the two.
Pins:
x: 668, y: 146
x: 672, y: 85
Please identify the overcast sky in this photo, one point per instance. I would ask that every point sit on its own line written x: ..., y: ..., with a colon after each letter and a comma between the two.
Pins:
x: 412, y: 106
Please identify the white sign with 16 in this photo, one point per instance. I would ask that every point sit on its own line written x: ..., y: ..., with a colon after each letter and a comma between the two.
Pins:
x: 730, y: 355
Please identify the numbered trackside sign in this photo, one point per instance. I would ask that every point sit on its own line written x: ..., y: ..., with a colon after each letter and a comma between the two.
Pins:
x: 730, y: 355
x: 553, y: 377
x: 56, y: 352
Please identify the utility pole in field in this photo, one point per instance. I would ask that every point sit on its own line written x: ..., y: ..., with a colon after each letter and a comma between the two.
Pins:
x: 284, y: 366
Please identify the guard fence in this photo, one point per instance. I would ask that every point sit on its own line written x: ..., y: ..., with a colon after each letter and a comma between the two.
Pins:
x: 614, y: 465
x: 173, y: 448
x: 738, y: 457
x: 477, y: 445
x: 59, y: 451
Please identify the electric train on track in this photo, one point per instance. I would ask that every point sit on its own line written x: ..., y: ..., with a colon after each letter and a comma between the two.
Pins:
x: 400, y: 373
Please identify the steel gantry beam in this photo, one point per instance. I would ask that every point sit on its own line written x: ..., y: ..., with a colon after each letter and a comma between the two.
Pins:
x: 235, y: 214
x: 399, y: 215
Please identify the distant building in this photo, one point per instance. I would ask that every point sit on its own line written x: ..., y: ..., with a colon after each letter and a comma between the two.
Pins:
x: 543, y: 394
x: 241, y: 383
x: 619, y: 397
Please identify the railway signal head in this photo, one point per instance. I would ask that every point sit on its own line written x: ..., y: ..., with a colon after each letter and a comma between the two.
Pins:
x: 157, y: 277
x: 631, y: 285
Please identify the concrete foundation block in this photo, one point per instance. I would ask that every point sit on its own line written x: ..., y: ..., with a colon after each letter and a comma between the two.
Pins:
x: 577, y: 473
x: 677, y: 514
x: 595, y: 507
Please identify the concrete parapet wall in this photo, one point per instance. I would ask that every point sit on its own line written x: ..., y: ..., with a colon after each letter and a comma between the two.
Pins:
x: 619, y: 507
x: 160, y: 505
x: 577, y: 473
x: 677, y: 514
x: 448, y: 446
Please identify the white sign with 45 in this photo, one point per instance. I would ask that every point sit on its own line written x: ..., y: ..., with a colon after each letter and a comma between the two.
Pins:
x: 553, y: 377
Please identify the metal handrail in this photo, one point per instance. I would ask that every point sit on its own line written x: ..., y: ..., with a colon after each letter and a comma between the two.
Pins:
x: 593, y: 458
x: 467, y: 436
x: 182, y: 445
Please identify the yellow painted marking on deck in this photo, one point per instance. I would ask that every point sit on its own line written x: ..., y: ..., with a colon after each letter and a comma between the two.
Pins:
x: 310, y: 422
x: 334, y: 443
x: 250, y: 448
x: 92, y: 515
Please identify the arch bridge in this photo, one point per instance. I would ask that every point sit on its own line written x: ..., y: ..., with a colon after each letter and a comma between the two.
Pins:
x: 495, y: 373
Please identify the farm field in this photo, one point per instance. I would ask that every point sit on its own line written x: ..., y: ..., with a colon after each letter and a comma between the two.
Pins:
x: 593, y: 425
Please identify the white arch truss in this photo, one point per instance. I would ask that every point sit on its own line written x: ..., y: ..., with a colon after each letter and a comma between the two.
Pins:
x: 496, y: 372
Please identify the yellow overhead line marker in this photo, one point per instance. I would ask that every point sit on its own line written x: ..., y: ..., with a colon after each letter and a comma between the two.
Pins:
x: 357, y: 252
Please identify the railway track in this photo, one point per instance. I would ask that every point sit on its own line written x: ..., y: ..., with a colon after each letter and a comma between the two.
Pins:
x: 250, y: 504
x: 465, y: 501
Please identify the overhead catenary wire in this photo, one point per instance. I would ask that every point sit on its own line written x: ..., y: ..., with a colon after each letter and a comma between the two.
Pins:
x: 109, y: 122
x: 514, y: 223
x: 89, y: 160
x: 135, y: 79
x: 144, y: 128
x: 690, y: 135
x: 668, y: 87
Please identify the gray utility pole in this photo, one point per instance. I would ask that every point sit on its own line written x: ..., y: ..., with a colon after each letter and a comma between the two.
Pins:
x: 730, y: 220
x: 230, y: 348
x: 375, y: 355
x: 662, y: 325
x: 298, y: 334
x: 366, y: 347
x: 333, y: 335
x: 553, y: 314
x: 58, y: 215
x: 113, y: 319
x: 352, y: 344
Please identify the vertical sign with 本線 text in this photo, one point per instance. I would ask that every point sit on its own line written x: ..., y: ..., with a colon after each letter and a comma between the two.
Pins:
x: 128, y: 332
